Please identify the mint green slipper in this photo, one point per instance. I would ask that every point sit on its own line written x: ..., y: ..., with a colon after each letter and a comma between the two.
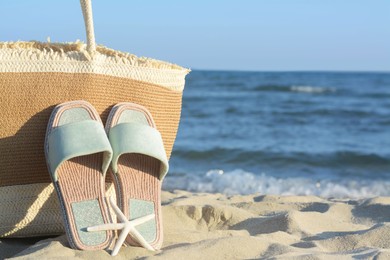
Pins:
x: 78, y: 155
x: 139, y: 165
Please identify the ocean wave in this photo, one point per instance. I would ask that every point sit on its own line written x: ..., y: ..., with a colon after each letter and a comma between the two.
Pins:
x: 310, y: 89
x: 245, y: 157
x: 300, y: 89
x: 383, y: 95
x: 334, y: 112
x: 242, y: 182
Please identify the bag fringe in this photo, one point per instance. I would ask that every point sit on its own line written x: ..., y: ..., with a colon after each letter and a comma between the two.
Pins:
x: 36, y: 50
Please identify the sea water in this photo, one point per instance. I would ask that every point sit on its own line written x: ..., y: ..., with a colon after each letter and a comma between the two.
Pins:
x: 288, y: 133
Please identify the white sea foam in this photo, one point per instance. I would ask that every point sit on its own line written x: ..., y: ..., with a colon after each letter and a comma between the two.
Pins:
x: 242, y: 182
x: 310, y: 89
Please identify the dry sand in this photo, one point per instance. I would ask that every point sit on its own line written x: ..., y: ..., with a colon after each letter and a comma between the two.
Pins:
x: 215, y: 226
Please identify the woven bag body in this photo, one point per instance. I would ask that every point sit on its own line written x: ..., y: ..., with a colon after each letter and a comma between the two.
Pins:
x: 34, y: 77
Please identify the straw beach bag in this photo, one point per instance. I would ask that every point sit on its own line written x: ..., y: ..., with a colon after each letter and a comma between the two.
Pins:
x: 36, y: 76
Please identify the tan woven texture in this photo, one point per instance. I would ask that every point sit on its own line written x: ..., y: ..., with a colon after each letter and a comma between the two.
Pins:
x: 30, y: 97
x: 74, y: 58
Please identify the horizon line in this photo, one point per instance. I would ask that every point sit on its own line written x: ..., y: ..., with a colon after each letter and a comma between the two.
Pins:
x: 289, y: 71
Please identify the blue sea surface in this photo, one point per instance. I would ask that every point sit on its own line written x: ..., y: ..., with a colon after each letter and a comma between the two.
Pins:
x: 301, y: 133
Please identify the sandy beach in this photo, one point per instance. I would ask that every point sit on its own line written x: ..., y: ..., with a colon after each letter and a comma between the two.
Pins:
x: 216, y: 226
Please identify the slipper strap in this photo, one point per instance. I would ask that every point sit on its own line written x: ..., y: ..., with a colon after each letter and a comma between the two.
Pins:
x: 137, y: 138
x: 77, y: 139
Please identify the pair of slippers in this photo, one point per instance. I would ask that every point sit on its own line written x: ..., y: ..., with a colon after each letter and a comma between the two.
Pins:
x: 79, y: 152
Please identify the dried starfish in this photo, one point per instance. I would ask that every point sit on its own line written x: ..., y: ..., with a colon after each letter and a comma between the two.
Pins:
x: 127, y: 227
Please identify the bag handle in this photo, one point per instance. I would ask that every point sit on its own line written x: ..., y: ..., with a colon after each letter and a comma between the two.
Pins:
x: 86, y: 7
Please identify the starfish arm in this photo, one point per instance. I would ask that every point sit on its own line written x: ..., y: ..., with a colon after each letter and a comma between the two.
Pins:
x: 121, y: 239
x: 118, y: 212
x: 110, y: 226
x: 141, y: 220
x: 127, y: 227
x: 140, y: 239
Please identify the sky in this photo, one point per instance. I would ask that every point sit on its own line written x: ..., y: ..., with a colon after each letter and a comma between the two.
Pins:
x: 259, y: 35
